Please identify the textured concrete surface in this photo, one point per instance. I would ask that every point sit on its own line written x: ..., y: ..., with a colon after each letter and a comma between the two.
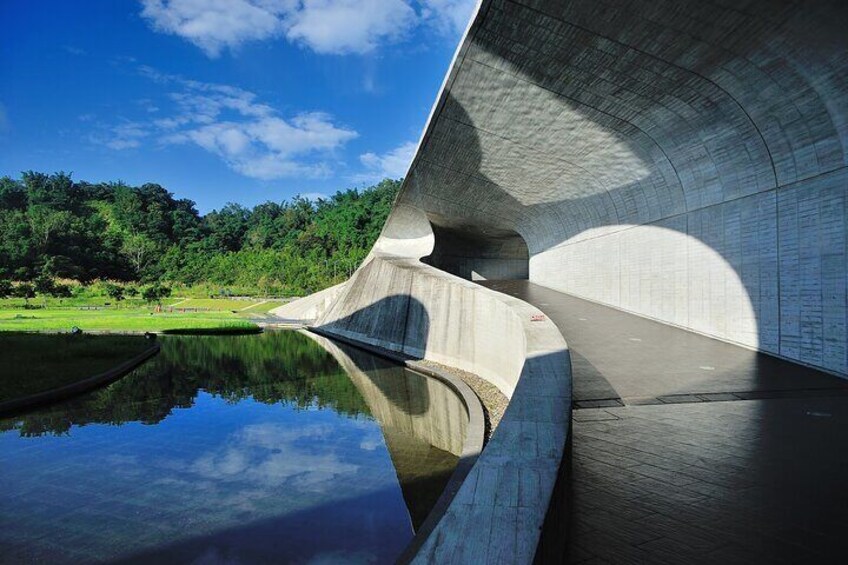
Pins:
x: 306, y: 310
x: 741, y: 461
x: 402, y: 305
x: 683, y: 160
x: 752, y: 481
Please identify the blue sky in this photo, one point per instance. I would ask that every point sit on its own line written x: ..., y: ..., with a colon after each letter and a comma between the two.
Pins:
x: 222, y: 100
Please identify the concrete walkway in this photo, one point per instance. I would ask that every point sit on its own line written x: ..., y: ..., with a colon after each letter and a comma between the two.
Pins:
x: 691, y: 450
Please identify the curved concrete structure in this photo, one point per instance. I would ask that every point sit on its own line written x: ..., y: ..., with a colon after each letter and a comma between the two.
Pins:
x: 685, y: 161
x: 404, y: 306
x: 681, y: 160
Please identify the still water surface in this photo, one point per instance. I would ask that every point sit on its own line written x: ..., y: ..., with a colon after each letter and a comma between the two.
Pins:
x: 245, y: 449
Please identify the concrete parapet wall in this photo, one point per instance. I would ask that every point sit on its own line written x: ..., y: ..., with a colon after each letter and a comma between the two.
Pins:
x: 498, y: 513
x: 403, y: 305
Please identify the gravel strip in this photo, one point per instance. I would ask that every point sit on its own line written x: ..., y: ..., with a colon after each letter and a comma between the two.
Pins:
x: 493, y: 400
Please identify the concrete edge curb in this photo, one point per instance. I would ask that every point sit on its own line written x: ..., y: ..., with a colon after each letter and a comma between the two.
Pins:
x: 18, y: 405
x: 471, y: 448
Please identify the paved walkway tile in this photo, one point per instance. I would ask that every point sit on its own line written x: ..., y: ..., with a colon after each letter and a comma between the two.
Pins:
x: 691, y: 450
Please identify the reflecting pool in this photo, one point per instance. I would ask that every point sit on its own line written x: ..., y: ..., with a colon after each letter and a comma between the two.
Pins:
x: 242, y: 449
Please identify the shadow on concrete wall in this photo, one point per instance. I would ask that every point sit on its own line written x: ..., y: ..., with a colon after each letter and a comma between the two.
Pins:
x: 540, y: 416
x: 479, y: 253
x: 473, y: 244
x: 398, y: 323
x: 676, y: 183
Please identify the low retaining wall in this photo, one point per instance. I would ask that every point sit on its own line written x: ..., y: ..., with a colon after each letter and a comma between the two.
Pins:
x: 403, y: 305
x: 18, y: 405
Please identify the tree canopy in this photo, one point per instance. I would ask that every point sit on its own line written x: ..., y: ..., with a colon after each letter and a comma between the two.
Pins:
x: 52, y: 226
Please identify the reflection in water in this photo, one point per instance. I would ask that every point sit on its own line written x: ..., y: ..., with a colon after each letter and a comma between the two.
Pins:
x: 423, y: 423
x: 248, y: 449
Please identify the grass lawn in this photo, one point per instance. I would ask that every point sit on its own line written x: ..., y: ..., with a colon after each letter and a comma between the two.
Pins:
x: 36, y: 363
x: 256, y: 306
x: 264, y: 307
x: 118, y: 320
x: 224, y: 304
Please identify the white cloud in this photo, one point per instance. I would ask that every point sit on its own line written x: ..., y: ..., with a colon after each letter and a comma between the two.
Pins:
x: 393, y: 164
x: 348, y: 26
x: 270, y: 455
x: 324, y: 26
x: 126, y: 135
x: 214, y: 25
x: 450, y: 16
x: 250, y: 136
x: 74, y: 50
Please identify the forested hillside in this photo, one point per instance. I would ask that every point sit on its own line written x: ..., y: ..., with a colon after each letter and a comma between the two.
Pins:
x: 52, y: 226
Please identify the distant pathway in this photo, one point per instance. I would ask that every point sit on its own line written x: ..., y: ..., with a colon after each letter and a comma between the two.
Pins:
x: 691, y: 450
x: 249, y: 306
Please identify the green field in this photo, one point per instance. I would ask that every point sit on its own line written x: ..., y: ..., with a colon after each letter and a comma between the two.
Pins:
x: 35, y: 363
x: 118, y: 320
x: 133, y: 315
x: 254, y: 306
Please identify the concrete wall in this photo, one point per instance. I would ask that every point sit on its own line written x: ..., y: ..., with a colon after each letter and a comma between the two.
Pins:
x: 680, y: 159
x: 308, y: 308
x: 405, y: 306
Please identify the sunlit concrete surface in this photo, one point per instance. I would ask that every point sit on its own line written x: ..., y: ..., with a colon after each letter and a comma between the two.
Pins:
x: 719, y: 454
x: 683, y: 160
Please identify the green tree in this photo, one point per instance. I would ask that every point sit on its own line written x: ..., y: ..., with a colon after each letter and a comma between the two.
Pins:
x: 61, y: 291
x: 25, y: 291
x: 114, y: 291
x: 139, y: 250
x: 6, y: 288
x: 53, y: 226
x: 155, y: 293
x: 43, y: 285
x: 13, y: 196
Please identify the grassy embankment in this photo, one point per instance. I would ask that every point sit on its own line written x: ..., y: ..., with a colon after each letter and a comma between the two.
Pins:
x: 36, y: 363
x: 132, y: 315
